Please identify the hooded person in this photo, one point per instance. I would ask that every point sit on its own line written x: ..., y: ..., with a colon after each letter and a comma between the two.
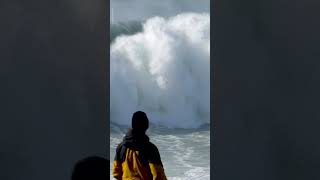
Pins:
x: 136, y: 157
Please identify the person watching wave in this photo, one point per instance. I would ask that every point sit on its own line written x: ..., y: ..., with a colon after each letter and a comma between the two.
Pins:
x: 136, y: 157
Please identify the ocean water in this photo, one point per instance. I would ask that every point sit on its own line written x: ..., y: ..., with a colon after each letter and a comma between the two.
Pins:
x: 185, y: 153
x: 162, y: 66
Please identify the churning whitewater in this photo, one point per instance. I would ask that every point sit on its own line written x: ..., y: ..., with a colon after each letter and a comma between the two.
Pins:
x: 162, y: 67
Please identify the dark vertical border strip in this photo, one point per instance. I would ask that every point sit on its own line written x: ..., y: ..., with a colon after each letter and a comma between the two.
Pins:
x: 212, y: 87
x: 107, y: 21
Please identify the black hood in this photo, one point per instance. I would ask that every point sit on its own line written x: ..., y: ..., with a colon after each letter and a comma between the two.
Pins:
x: 135, y: 139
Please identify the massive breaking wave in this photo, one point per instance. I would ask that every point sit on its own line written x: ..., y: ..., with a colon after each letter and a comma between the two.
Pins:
x: 163, y: 68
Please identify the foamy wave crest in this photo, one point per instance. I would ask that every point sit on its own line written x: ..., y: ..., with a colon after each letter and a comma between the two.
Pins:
x: 163, y: 70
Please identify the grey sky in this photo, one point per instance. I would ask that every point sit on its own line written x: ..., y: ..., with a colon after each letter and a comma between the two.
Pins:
x: 127, y: 10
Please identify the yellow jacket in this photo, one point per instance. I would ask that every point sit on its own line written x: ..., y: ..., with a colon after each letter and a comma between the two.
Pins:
x: 137, y: 159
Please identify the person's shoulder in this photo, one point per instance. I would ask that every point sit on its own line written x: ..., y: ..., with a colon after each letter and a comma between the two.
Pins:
x: 119, y: 151
x: 120, y: 145
x: 153, y: 147
x: 154, y: 155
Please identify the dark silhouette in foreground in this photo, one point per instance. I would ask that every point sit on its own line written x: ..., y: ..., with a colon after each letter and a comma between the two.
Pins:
x: 136, y: 157
x: 91, y: 168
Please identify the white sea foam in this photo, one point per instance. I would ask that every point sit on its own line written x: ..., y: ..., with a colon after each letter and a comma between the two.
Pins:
x: 184, y: 153
x: 163, y: 70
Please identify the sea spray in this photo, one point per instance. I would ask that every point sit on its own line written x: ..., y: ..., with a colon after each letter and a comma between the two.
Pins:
x: 163, y: 70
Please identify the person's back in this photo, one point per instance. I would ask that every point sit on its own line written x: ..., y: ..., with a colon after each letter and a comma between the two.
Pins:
x: 136, y: 157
